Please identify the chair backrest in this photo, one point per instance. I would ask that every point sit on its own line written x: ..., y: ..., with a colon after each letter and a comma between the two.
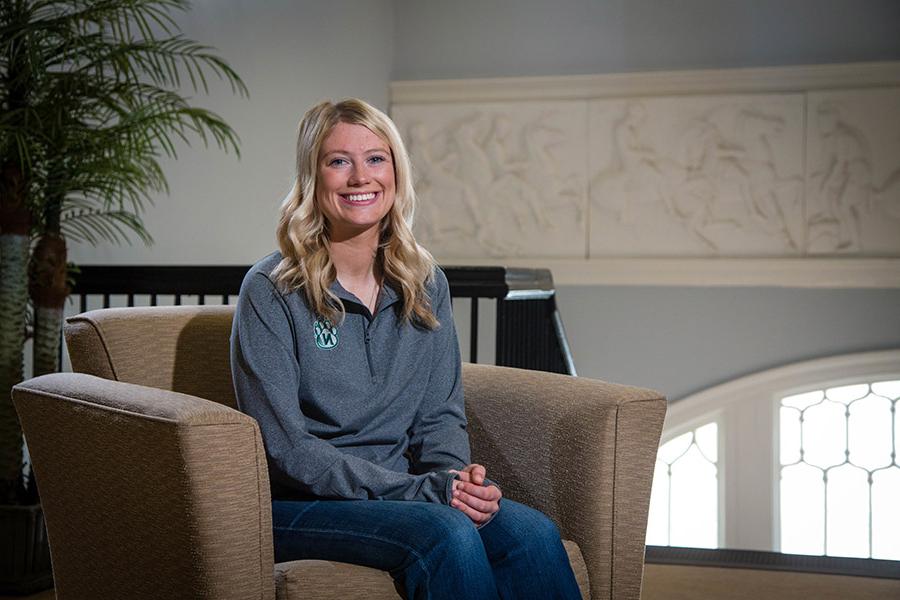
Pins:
x: 179, y: 348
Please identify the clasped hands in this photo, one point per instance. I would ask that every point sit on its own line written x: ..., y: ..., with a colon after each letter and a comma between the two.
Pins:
x: 478, y: 501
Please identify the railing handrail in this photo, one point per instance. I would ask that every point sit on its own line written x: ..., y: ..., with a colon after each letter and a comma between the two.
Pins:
x: 465, y: 282
x: 159, y: 279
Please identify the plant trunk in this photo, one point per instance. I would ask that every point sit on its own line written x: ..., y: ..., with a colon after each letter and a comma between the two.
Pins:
x: 15, y: 221
x: 49, y: 290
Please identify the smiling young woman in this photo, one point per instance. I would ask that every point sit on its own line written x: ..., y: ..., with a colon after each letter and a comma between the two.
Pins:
x: 344, y: 351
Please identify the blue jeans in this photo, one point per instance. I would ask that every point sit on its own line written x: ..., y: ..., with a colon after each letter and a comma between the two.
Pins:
x: 431, y: 550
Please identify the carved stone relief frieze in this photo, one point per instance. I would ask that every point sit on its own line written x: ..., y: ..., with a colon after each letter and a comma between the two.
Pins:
x: 785, y: 163
x: 853, y: 172
x: 697, y: 176
x: 499, y: 179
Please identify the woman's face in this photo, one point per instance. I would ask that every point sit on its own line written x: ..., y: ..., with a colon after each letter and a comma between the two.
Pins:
x: 356, y: 180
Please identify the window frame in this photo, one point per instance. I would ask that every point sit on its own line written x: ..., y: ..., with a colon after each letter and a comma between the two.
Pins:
x: 747, y: 412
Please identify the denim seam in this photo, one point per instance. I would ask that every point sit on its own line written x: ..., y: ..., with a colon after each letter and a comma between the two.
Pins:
x: 297, y: 518
x: 354, y: 534
x: 419, y: 557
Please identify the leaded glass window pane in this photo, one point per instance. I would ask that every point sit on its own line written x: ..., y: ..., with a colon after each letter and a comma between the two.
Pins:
x: 658, y: 517
x: 790, y: 435
x: 802, y: 510
x: 824, y: 432
x: 869, y: 432
x: 886, y: 514
x: 847, y: 512
x: 684, y: 501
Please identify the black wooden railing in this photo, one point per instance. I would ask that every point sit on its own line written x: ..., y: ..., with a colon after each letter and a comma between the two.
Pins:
x: 529, y: 332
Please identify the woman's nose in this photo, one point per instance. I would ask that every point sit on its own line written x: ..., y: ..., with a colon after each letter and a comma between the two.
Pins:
x: 358, y: 176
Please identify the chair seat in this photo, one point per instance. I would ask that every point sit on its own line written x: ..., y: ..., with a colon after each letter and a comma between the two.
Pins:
x: 327, y: 580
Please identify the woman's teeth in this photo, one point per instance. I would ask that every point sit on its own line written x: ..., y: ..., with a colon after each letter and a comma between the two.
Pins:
x: 360, y: 197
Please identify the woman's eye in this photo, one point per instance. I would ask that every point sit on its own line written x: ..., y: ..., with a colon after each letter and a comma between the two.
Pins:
x: 377, y: 159
x: 336, y: 162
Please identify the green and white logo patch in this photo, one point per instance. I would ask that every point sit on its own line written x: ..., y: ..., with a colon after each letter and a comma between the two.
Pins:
x: 326, y: 334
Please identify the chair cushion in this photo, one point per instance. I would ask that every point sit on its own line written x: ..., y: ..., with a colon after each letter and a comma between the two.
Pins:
x: 326, y: 580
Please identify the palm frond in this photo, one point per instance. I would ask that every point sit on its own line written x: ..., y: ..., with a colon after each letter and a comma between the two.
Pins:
x: 94, y: 225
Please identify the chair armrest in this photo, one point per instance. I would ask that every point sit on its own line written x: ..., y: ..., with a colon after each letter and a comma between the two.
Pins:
x: 580, y: 450
x: 148, y: 493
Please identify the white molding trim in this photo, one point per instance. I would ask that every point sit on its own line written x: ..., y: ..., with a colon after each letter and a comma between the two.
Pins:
x: 790, y: 379
x: 704, y: 272
x: 800, y: 78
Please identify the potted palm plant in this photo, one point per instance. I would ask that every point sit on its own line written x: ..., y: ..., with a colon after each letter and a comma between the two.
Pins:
x: 91, y: 101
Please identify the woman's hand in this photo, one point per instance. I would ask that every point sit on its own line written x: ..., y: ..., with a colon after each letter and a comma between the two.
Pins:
x: 472, y: 497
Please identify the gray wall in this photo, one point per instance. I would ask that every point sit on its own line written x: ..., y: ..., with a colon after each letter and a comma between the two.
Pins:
x: 677, y: 340
x: 503, y: 38
x: 682, y: 340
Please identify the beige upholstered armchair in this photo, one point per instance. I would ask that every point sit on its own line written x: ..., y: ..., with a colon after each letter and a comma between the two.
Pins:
x: 154, y: 486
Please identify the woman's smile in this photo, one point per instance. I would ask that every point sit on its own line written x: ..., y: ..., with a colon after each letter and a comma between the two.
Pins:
x: 358, y: 199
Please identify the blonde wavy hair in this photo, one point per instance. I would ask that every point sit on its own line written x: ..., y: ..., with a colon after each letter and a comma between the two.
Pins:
x: 302, y: 231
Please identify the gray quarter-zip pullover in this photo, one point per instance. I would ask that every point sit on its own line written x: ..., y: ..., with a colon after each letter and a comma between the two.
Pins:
x: 371, y: 408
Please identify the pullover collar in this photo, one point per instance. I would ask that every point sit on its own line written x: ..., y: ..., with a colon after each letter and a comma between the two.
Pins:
x: 387, y: 296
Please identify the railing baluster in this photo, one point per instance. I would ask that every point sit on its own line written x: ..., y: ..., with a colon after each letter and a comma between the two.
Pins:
x: 473, y: 331
x: 105, y: 300
x: 177, y: 299
x: 130, y: 299
x: 152, y: 299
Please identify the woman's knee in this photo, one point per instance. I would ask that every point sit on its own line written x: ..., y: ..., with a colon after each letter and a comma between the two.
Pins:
x: 532, y: 530
x: 455, y: 530
x: 544, y: 528
x: 455, y: 556
x: 530, y: 521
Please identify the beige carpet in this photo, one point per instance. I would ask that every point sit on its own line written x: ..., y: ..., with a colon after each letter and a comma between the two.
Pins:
x: 675, y: 582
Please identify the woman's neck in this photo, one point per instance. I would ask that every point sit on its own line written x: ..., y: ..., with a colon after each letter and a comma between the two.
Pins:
x: 354, y: 257
x: 354, y: 262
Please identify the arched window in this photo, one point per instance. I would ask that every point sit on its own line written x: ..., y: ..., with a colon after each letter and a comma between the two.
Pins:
x: 800, y: 459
